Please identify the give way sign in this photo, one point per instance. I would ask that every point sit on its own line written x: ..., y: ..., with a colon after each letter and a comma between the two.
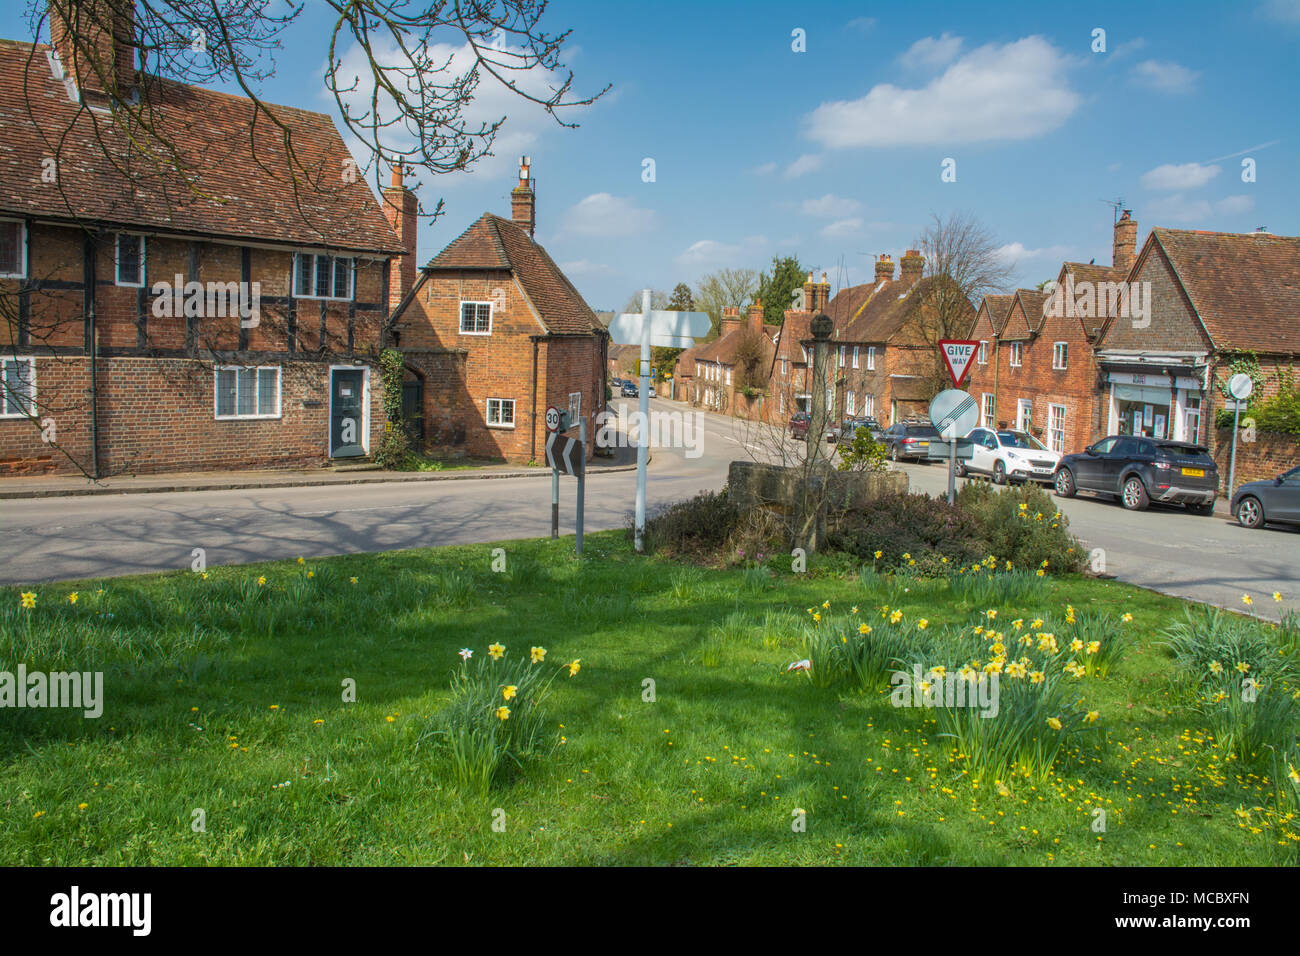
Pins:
x: 958, y: 356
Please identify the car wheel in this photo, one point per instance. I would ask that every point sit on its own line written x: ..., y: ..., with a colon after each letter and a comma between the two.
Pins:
x: 961, y: 469
x: 893, y: 453
x: 999, y: 473
x: 1134, y: 496
x: 1065, y: 483
x: 1204, y: 510
x: 1250, y: 513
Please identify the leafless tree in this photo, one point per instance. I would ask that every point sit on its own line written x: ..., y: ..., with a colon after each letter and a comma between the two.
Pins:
x: 725, y: 288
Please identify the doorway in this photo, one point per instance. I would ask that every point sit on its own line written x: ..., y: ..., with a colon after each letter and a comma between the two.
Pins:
x: 349, y: 412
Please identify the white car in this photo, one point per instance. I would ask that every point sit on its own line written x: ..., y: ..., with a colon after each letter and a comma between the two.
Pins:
x: 1007, y: 455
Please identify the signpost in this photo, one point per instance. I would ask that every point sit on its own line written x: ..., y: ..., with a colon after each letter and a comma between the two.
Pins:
x: 568, y: 455
x: 954, y: 413
x: 674, y: 330
x: 958, y: 356
x: 1240, y: 387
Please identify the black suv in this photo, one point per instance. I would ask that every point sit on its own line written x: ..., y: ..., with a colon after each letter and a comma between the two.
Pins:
x: 908, y: 440
x: 1139, y: 471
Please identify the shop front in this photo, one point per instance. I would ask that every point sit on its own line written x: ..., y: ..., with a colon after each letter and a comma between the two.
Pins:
x: 1163, y: 404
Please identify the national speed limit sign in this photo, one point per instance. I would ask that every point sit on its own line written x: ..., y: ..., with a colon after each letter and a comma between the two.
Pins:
x: 552, y: 418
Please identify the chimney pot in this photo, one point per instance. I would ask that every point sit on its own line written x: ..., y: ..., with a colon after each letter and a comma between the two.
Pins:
x: 1124, y: 249
x: 523, y: 201
x: 400, y: 209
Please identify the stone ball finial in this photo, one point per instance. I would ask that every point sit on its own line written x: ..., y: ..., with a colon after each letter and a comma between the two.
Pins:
x: 822, y: 326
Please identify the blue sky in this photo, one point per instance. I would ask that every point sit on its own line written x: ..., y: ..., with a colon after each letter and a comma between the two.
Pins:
x: 835, y: 153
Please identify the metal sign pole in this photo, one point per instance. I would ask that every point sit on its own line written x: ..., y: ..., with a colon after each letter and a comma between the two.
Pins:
x: 582, y: 475
x: 643, y: 404
x: 555, y: 502
x: 952, y: 471
x: 1232, y: 468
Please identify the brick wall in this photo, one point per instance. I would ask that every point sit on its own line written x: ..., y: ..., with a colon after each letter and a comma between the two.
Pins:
x: 1268, y: 455
x: 495, y: 366
x: 155, y: 373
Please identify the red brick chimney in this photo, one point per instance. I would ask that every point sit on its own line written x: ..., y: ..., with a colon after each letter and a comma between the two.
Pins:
x: 823, y: 294
x: 810, y: 294
x: 756, y: 316
x: 95, y: 40
x: 1126, y: 237
x: 400, y: 207
x: 730, y: 320
x: 523, y: 202
x: 884, y: 268
x: 912, y: 263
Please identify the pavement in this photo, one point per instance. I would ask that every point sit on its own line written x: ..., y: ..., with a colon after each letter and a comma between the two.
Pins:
x: 157, y: 527
x: 62, y: 486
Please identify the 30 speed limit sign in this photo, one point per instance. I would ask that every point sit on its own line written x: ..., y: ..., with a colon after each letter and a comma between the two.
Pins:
x: 552, y: 418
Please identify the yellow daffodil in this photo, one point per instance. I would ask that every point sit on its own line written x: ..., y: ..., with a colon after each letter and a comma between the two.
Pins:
x: 352, y: 580
x: 537, y: 655
x: 503, y: 713
x: 575, y: 665
x: 1126, y: 618
x: 991, y: 614
x: 878, y: 554
x: 826, y: 605
x: 1246, y: 599
x: 895, y: 617
x: 261, y: 580
x: 1092, y: 716
x: 509, y: 691
x: 496, y: 651
x: 72, y: 598
x: 817, y: 618
x: 1243, y: 667
x: 1054, y: 723
x: 28, y: 599
x: 1216, y: 667
x: 864, y: 628
x: 301, y: 561
x: 1277, y: 596
x: 922, y: 624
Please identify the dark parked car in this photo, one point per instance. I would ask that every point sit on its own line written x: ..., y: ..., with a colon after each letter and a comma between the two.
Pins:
x: 628, y: 390
x: 909, y: 440
x: 1277, y: 500
x: 799, y: 425
x: 848, y: 429
x: 1139, y: 471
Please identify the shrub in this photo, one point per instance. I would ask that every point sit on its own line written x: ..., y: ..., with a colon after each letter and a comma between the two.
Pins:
x: 1022, y: 525
x: 697, y: 526
x: 863, y: 453
x: 394, y: 448
x: 913, y: 525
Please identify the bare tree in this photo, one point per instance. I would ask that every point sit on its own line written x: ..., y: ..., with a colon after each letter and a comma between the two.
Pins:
x: 403, y: 100
x: 726, y: 288
x: 962, y: 266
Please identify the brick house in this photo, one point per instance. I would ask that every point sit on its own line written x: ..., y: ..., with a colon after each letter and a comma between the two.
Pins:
x: 493, y: 333
x: 125, y: 348
x: 1036, y: 367
x: 982, y: 383
x: 718, y: 378
x: 884, y: 360
x: 1215, y: 297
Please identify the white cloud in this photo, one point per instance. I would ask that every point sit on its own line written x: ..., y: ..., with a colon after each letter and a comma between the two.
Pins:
x: 585, y: 267
x: 842, y: 228
x: 601, y: 214
x: 1011, y: 91
x: 931, y: 52
x: 766, y: 169
x: 829, y: 206
x: 861, y: 23
x: 806, y: 163
x: 518, y: 135
x: 1178, y: 208
x: 1186, y: 176
x: 1164, y: 77
x: 1124, y: 49
x: 1014, y: 252
x: 710, y: 252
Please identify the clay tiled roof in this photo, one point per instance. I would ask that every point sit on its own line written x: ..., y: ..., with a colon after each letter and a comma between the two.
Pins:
x: 847, y: 303
x: 886, y: 311
x: 998, y: 307
x: 237, y: 197
x: 494, y: 243
x: 1090, y: 272
x: 685, y: 365
x: 1031, y: 300
x: 795, y: 330
x: 1244, y: 286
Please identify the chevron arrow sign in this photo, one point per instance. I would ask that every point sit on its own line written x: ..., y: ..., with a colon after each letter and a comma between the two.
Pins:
x: 565, y: 454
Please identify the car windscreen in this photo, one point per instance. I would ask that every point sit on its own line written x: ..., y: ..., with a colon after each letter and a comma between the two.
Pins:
x: 923, y: 431
x: 1020, y: 440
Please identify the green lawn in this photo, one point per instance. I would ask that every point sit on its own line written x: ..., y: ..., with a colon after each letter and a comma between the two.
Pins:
x: 226, y: 695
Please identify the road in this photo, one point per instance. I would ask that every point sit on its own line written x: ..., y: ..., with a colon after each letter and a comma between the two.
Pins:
x: 1208, y: 559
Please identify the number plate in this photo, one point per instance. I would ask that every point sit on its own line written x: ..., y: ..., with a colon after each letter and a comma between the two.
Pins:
x: 1194, y: 472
